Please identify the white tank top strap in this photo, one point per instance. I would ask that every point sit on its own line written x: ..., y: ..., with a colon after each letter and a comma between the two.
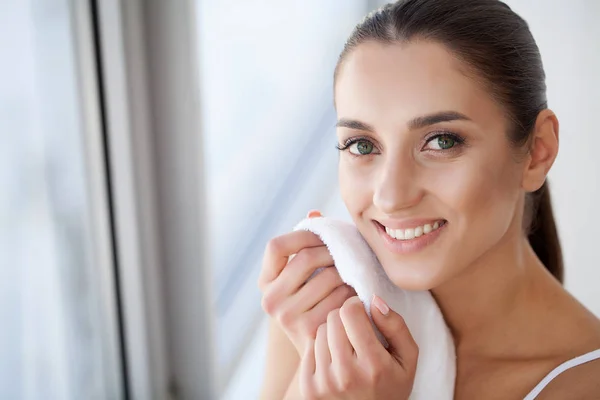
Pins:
x: 582, y: 359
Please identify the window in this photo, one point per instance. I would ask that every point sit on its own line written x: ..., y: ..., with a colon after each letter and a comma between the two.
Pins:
x: 59, y: 329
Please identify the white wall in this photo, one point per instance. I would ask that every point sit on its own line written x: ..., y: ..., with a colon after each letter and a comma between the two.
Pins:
x: 568, y: 36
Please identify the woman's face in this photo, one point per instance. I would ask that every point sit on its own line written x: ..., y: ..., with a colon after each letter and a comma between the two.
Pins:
x: 398, y: 100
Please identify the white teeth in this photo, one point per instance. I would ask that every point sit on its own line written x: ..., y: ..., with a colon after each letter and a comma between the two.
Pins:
x: 411, y: 233
x: 418, y: 231
x: 390, y: 232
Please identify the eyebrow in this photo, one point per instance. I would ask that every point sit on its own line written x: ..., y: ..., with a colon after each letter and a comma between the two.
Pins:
x: 415, y: 123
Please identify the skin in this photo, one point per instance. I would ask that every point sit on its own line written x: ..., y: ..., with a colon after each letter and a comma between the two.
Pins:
x: 346, y: 360
x: 512, y: 322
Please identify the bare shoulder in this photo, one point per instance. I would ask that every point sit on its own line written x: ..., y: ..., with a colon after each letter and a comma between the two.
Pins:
x: 579, y: 382
x: 581, y: 336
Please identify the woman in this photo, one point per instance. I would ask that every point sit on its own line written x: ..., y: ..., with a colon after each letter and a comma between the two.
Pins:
x: 442, y: 122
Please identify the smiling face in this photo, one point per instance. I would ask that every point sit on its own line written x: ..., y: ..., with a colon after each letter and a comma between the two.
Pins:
x: 432, y: 147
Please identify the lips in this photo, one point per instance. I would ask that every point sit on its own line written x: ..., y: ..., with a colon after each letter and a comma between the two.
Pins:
x: 414, y: 231
x: 406, y: 246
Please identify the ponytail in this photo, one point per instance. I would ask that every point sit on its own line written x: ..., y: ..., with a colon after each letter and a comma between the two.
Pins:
x: 541, y: 231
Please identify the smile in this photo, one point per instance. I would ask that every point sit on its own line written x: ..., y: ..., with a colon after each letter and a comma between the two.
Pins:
x: 410, y: 240
x: 411, y: 233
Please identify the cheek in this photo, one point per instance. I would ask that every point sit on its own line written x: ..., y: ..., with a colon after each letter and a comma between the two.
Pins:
x: 481, y: 197
x: 477, y: 193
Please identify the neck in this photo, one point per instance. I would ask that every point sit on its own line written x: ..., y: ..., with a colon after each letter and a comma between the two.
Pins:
x: 491, y: 295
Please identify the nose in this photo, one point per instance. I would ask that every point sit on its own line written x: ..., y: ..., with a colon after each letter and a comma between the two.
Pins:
x: 397, y: 187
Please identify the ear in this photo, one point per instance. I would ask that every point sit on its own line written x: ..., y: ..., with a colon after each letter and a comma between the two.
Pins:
x: 543, y: 149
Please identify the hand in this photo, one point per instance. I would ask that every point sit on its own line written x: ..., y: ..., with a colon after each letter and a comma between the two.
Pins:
x: 298, y: 307
x: 347, y: 361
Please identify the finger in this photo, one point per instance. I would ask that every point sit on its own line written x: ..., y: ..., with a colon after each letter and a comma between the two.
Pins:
x: 340, y: 348
x: 297, y: 271
x: 322, y: 354
x: 335, y: 299
x: 317, y: 289
x: 393, y: 327
x: 291, y: 279
x: 314, y: 214
x: 279, y: 249
x: 360, y: 330
x: 311, y: 214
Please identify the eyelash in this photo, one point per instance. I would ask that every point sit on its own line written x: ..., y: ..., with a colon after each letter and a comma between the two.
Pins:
x: 458, y: 139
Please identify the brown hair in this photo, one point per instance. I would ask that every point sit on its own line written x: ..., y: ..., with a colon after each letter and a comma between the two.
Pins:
x: 498, y: 47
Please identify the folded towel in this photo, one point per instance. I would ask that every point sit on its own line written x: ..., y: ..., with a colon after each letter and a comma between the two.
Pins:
x: 359, y: 267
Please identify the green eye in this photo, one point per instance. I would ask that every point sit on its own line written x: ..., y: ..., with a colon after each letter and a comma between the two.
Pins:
x: 445, y: 142
x: 364, y: 147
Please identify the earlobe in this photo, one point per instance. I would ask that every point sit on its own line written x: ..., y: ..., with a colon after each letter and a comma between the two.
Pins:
x: 542, y: 152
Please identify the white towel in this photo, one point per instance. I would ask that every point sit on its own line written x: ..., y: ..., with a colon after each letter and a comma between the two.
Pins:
x: 359, y: 267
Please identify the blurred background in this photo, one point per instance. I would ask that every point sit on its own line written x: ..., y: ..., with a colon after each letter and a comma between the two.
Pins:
x: 150, y: 149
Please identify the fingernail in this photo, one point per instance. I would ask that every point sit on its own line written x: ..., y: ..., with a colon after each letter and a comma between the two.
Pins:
x: 380, y: 304
x: 313, y: 213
